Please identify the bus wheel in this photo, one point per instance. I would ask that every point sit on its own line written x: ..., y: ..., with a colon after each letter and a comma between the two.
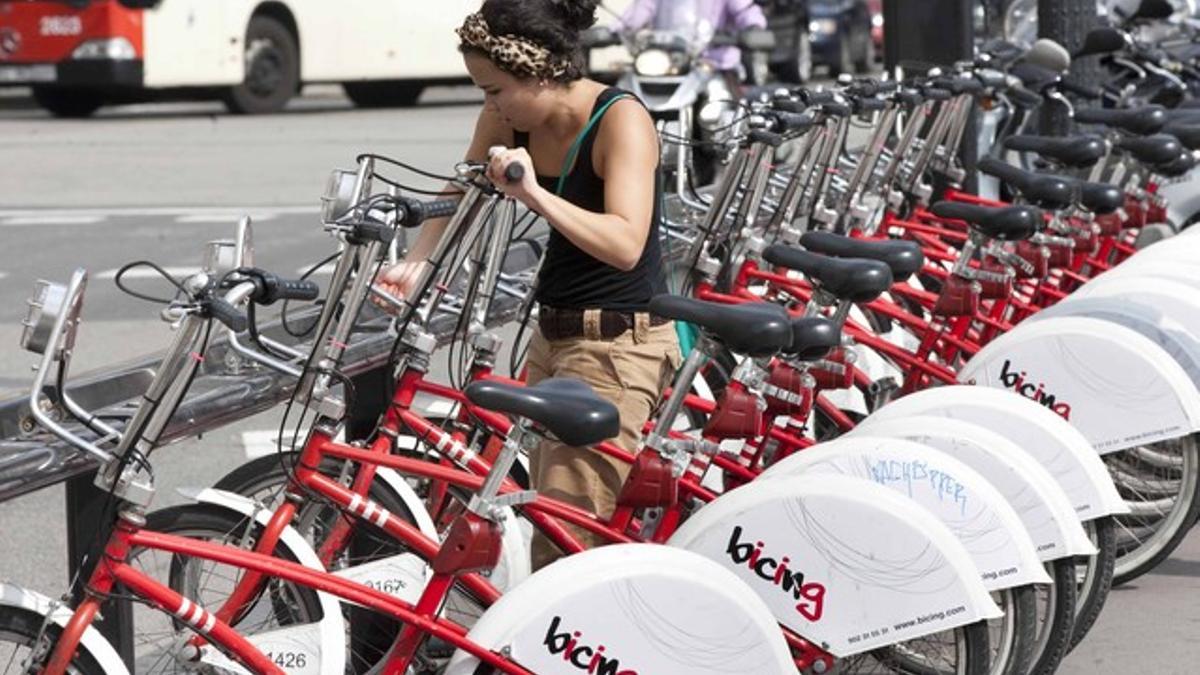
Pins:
x: 383, y: 93
x: 68, y: 101
x: 272, y: 69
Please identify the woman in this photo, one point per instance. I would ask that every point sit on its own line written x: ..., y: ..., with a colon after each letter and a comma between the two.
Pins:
x: 603, y: 262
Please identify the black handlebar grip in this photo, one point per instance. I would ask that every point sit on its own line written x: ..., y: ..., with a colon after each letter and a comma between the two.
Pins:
x: 761, y: 136
x: 836, y: 109
x: 909, y: 98
x: 887, y: 86
x: 227, y: 314
x: 514, y: 172
x: 792, y: 121
x: 417, y: 212
x: 374, y: 232
x: 937, y: 94
x: 863, y: 105
x: 817, y: 97
x: 295, y: 289
x: 788, y: 105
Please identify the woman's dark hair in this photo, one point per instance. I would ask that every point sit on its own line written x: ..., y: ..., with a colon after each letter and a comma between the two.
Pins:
x: 553, y: 24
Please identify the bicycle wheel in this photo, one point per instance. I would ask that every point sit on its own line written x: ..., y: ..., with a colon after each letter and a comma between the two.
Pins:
x: 962, y: 651
x: 20, y: 631
x: 1094, y: 576
x: 264, y: 479
x: 1055, y: 616
x: 160, y: 639
x: 1012, y: 637
x: 1161, y: 485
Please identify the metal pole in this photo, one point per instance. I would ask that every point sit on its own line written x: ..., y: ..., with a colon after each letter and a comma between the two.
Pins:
x: 926, y: 33
x: 87, y: 523
x: 1067, y: 22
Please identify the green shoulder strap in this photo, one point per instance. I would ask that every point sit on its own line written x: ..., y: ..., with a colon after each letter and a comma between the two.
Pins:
x: 569, y: 160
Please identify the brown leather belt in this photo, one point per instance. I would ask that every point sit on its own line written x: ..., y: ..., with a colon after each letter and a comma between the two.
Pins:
x: 564, y: 324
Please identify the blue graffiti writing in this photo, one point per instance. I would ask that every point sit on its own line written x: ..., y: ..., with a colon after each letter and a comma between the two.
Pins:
x: 914, y: 473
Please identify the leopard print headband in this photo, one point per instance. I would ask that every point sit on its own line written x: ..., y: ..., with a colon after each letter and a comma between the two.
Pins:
x: 518, y: 55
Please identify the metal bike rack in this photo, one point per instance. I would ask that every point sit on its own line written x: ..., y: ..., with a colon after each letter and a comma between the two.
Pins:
x: 227, y: 389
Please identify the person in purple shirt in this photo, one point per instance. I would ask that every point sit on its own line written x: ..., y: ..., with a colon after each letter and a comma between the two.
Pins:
x: 697, y: 18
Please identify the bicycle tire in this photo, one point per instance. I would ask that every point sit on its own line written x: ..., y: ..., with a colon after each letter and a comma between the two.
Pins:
x: 1167, y: 532
x: 1013, y: 653
x: 971, y: 645
x: 371, y: 634
x: 1054, y: 640
x: 21, y: 628
x: 207, y: 522
x: 1098, y: 579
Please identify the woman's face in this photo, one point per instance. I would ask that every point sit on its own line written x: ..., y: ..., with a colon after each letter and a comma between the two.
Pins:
x: 523, y: 103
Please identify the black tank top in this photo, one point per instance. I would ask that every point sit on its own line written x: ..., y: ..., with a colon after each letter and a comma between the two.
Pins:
x: 573, y: 279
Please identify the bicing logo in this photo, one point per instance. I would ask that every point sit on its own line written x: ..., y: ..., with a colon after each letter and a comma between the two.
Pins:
x: 591, y: 660
x: 810, y: 596
x: 1036, y: 392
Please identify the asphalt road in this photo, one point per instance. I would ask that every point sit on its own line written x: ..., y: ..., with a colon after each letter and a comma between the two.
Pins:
x: 156, y: 182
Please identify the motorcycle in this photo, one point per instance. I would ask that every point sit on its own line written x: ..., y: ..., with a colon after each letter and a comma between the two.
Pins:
x: 693, y: 104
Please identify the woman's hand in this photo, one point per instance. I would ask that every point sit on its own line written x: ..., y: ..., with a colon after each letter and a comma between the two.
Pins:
x: 398, y: 281
x: 500, y: 158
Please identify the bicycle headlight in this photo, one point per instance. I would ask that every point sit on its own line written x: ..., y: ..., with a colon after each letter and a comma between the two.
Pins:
x: 653, y: 63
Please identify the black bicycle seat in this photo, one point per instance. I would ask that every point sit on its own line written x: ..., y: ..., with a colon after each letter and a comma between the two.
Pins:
x: 853, y: 279
x: 1100, y: 198
x: 813, y: 337
x: 567, y: 408
x: 1043, y: 190
x: 903, y: 257
x: 754, y: 329
x: 1176, y: 167
x: 1141, y: 121
x: 1157, y: 149
x: 1006, y: 223
x: 1076, y: 152
x: 1186, y: 132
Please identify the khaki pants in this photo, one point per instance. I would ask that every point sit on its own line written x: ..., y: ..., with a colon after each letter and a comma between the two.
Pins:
x: 631, y: 371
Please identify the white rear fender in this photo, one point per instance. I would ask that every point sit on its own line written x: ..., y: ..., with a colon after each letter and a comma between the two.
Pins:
x: 1116, y: 386
x: 1058, y: 446
x: 1163, y: 311
x: 1042, y: 505
x: 954, y: 493
x: 632, y: 608
x: 844, y: 562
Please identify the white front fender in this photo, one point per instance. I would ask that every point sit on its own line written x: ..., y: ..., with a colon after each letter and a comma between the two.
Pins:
x: 100, y: 648
x: 331, y: 630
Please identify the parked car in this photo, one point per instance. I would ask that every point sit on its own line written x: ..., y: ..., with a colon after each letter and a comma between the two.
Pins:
x: 841, y: 35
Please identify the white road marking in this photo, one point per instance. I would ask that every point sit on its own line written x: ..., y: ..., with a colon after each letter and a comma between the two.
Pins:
x: 52, y: 219
x: 144, y: 272
x: 327, y: 268
x: 106, y: 212
x: 230, y: 218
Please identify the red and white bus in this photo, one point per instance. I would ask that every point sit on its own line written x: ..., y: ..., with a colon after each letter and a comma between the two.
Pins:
x: 78, y: 55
